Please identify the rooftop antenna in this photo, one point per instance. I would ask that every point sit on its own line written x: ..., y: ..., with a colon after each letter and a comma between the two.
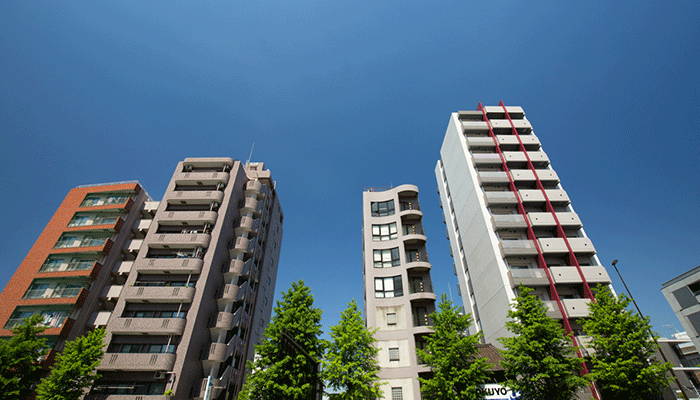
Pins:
x: 251, y: 154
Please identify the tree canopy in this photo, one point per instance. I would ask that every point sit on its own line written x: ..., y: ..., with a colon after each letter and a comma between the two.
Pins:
x: 451, y: 353
x: 351, y: 365
x: 20, y: 359
x: 623, y: 363
x: 540, y: 360
x: 279, y: 371
x: 74, y: 369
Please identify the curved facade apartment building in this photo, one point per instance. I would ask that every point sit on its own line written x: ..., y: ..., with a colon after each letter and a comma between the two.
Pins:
x: 183, y: 286
x: 398, y: 290
x: 509, y: 221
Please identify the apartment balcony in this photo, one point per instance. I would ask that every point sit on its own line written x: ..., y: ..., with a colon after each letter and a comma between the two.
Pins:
x: 557, y: 196
x: 527, y: 277
x: 253, y: 187
x: 134, y: 245
x: 480, y: 141
x: 151, y: 326
x: 74, y: 268
x: 214, y: 354
x: 197, y: 196
x: 553, y: 245
x: 585, y: 344
x: 166, y: 240
x: 493, y: 177
x: 233, y: 293
x: 413, y: 234
x: 421, y: 292
x: 249, y: 224
x: 105, y: 223
x: 143, y: 225
x: 201, y: 178
x: 566, y: 219
x: 538, y: 158
x: 528, y: 140
x: 252, y: 204
x: 474, y: 126
x: 92, y: 245
x: 508, y: 221
x: 569, y: 274
x: 486, y: 159
x: 409, y: 209
x: 137, y: 362
x: 547, y: 175
x: 227, y: 321
x: 52, y: 293
x: 517, y: 247
x: 417, y: 261
x: 582, y: 245
x: 242, y: 245
x: 238, y: 268
x: 500, y: 198
x: 189, y: 217
x: 574, y: 308
x: 172, y: 265
x: 112, y: 292
x: 158, y: 294
x: 99, y: 318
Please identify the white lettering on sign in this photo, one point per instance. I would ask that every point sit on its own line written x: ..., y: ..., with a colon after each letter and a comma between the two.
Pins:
x: 498, y: 392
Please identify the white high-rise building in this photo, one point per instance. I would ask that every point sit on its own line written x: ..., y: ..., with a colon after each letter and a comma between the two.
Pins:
x: 509, y: 221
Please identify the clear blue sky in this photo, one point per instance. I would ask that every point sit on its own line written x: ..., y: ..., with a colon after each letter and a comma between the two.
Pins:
x: 342, y: 95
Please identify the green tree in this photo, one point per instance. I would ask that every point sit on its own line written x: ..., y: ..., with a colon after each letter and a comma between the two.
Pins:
x: 278, y: 371
x: 351, y: 364
x: 20, y: 357
x: 623, y: 364
x: 458, y: 371
x: 74, y: 369
x: 540, y: 361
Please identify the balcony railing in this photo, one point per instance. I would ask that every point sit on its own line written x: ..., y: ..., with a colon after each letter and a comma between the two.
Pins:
x: 95, y: 221
x: 53, y: 320
x: 409, y: 205
x: 420, y: 287
x: 412, y: 230
x: 52, y: 294
x: 86, y: 242
x: 421, y: 320
x: 416, y: 256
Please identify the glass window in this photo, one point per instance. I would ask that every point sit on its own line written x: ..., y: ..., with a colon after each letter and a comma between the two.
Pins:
x: 396, y: 393
x: 386, y: 258
x: 391, y: 318
x: 384, y: 232
x: 383, y: 208
x: 394, y: 354
x: 388, y: 287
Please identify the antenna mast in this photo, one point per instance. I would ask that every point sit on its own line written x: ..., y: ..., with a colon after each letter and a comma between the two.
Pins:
x: 251, y: 153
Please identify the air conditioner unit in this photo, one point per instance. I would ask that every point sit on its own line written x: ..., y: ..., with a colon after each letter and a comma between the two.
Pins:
x: 159, y: 375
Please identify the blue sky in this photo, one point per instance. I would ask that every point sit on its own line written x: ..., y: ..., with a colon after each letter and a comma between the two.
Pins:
x: 342, y: 95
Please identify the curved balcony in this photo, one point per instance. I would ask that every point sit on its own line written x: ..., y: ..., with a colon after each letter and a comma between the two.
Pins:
x: 166, y: 240
x: 222, y: 321
x: 242, y: 245
x: 250, y: 204
x: 421, y: 297
x: 233, y: 293
x: 253, y: 187
x: 189, y: 217
x: 409, y: 210
x: 172, y: 265
x: 152, y: 326
x: 158, y: 294
x: 407, y: 190
x: 197, y: 196
x: 137, y: 362
x: 413, y: 234
x: 214, y: 354
x: 238, y: 268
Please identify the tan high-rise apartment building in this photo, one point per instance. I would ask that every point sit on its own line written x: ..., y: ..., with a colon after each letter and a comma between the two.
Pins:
x: 509, y: 221
x: 183, y: 286
x: 398, y: 293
